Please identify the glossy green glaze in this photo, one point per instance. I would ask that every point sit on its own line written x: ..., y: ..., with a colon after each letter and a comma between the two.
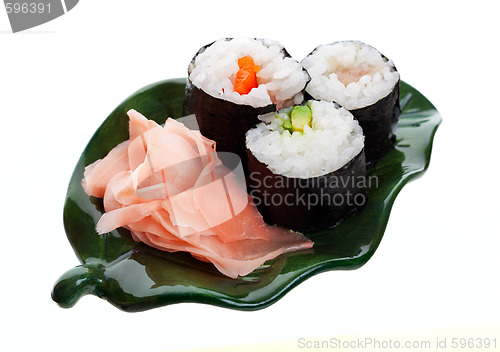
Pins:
x: 135, y: 277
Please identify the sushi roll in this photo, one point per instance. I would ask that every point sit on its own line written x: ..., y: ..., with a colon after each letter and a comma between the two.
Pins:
x: 234, y: 80
x: 365, y: 82
x: 306, y: 165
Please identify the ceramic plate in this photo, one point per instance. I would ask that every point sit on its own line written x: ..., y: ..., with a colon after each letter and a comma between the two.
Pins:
x: 135, y: 277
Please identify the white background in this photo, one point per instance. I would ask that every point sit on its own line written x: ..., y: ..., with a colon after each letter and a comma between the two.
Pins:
x: 438, y: 263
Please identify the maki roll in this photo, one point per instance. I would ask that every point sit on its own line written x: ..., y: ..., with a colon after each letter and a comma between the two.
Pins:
x: 234, y: 80
x: 362, y: 80
x: 307, y: 166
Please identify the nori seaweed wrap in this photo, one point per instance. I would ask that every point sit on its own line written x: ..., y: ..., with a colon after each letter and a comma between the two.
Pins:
x: 379, y: 122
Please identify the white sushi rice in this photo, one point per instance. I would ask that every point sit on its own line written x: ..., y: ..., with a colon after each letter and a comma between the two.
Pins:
x: 350, y: 73
x: 333, y: 140
x: 281, y: 79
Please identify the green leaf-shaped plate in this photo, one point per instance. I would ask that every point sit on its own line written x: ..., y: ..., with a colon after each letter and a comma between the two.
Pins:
x: 135, y: 277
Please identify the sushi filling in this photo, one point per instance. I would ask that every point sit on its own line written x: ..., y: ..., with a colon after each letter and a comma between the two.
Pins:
x: 223, y: 70
x: 306, y: 141
x: 246, y: 77
x: 350, y: 73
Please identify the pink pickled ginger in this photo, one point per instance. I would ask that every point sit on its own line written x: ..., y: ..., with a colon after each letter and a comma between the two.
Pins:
x: 169, y: 188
